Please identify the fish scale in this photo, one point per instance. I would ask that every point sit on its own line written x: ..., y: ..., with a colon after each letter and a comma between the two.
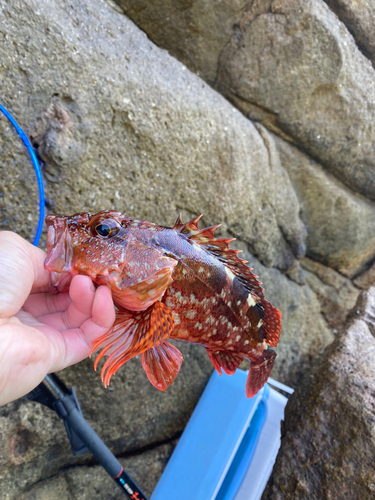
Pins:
x: 179, y: 282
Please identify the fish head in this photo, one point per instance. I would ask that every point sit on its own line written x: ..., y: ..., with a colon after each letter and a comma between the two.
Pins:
x: 92, y: 245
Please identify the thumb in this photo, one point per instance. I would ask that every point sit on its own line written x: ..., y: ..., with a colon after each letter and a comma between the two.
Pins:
x: 21, y: 271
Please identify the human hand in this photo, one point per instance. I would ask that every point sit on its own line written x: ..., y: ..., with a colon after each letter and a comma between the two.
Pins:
x: 41, y: 333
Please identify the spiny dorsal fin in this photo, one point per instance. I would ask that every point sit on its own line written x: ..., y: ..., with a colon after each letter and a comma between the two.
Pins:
x: 219, y: 247
x: 203, y: 236
x: 178, y: 224
x: 239, y: 268
x: 191, y: 226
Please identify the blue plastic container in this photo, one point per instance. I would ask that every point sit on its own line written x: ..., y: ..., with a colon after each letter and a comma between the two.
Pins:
x: 227, y: 439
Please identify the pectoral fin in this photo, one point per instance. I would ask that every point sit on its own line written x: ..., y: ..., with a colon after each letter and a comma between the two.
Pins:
x: 226, y: 360
x: 131, y: 334
x: 140, y: 296
x: 162, y: 364
x: 259, y: 372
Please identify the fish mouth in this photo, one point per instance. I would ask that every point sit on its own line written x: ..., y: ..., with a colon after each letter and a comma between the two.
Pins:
x: 59, y: 261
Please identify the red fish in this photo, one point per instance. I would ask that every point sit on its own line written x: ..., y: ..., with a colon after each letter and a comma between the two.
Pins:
x: 179, y: 283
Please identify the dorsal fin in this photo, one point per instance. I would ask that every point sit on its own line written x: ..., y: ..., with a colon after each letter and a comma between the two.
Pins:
x: 203, y: 236
x: 178, y: 224
x: 191, y: 226
x: 219, y: 247
x: 239, y: 268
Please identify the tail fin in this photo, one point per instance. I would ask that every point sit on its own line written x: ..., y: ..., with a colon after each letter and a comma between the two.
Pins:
x: 259, y: 372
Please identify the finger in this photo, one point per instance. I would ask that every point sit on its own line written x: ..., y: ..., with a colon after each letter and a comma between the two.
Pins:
x: 41, y: 304
x: 81, y: 292
x: 102, y: 318
x: 21, y: 270
x: 77, y: 342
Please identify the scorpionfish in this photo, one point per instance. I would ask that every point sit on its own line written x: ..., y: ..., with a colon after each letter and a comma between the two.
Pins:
x: 167, y: 283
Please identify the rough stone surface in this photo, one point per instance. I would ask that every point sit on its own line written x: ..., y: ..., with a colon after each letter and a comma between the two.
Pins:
x: 193, y: 31
x: 16, y: 177
x: 346, y: 239
x: 336, y: 293
x: 358, y: 17
x: 93, y: 483
x: 288, y: 63
x: 366, y: 279
x: 329, y: 443
x: 297, y: 62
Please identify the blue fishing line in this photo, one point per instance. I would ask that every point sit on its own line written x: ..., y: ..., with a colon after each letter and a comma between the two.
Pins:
x: 34, y: 161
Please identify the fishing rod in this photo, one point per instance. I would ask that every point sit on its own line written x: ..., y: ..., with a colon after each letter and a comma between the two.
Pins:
x: 54, y: 394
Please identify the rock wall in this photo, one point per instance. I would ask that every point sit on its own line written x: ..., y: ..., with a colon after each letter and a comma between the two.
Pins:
x: 258, y: 114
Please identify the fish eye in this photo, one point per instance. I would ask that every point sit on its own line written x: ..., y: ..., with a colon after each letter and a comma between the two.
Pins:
x: 106, y: 229
x: 103, y: 230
